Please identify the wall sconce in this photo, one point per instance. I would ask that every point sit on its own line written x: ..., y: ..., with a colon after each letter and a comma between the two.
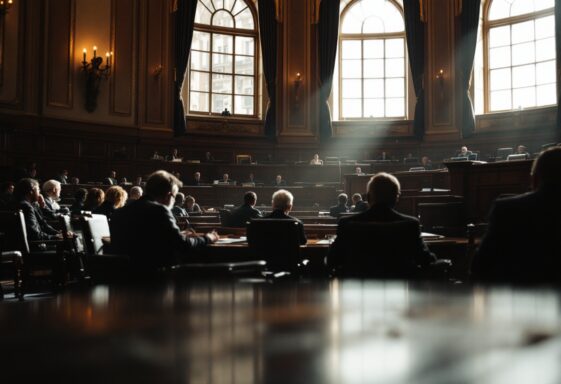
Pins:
x: 5, y: 5
x: 440, y: 77
x: 94, y: 72
x: 297, y: 84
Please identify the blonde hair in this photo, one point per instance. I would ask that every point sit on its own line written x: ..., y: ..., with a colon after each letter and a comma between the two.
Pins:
x: 116, y: 195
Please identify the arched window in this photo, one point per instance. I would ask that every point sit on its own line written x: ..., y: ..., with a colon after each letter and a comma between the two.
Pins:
x: 519, y: 55
x: 223, y: 64
x: 372, y: 62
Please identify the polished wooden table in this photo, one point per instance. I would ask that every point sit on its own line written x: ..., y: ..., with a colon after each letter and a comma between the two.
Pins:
x: 307, y: 332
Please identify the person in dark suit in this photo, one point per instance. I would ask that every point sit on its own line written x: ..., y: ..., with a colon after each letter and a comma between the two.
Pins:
x: 341, y: 207
x: 62, y: 177
x: 464, y: 152
x: 111, y: 179
x: 79, y: 200
x: 146, y: 230
x: 523, y: 242
x: 246, y: 212
x: 383, y: 193
x: 26, y: 197
x: 178, y: 209
x: 6, y: 195
x: 196, y: 179
x: 282, y: 205
x: 359, y: 205
x: 279, y: 182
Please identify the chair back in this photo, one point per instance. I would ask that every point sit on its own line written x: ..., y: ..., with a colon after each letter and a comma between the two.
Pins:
x: 12, y: 224
x: 95, y: 229
x: 76, y: 243
x: 502, y: 153
x: 225, y: 217
x: 447, y: 218
x: 277, y: 241
x: 379, y: 249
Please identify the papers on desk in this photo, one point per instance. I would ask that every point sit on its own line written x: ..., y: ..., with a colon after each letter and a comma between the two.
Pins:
x: 231, y: 240
x: 431, y: 236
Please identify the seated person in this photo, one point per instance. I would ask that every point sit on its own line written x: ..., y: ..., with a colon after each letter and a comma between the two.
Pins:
x: 251, y: 179
x: 383, y: 193
x: 522, y: 150
x: 279, y: 182
x: 178, y: 209
x: 196, y: 179
x: 135, y: 194
x: 62, y: 177
x: 522, y: 243
x: 225, y: 180
x: 246, y: 212
x: 464, y: 152
x: 146, y: 230
x: 316, y: 160
x: 191, y: 206
x: 111, y: 179
x: 51, y: 192
x: 358, y: 171
x: 282, y: 205
x: 175, y: 155
x: 115, y: 198
x: 74, y: 180
x: 359, y: 205
x: 6, y: 195
x: 94, y: 199
x: 79, y: 200
x: 426, y: 162
x: 341, y: 207
x: 26, y: 198
x: 138, y: 182
x: 156, y: 156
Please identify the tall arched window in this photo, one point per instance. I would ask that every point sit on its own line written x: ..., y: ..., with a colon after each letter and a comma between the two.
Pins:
x: 223, y: 61
x: 519, y: 54
x: 372, y: 65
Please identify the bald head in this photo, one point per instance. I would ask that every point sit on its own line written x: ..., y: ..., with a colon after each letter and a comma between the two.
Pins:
x: 546, y: 170
x: 383, y: 189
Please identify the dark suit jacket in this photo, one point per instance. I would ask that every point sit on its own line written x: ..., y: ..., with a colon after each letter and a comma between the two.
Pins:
x: 281, y: 184
x: 106, y: 208
x: 147, y: 232
x: 242, y: 215
x: 336, y: 210
x: 379, y: 214
x: 50, y: 213
x: 110, y: 181
x: 523, y: 240
x: 278, y: 214
x: 361, y: 206
x: 35, y: 224
x: 179, y: 211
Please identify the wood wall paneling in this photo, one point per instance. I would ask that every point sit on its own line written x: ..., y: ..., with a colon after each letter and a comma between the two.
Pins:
x: 122, y: 82
x: 94, y: 149
x: 12, y: 37
x: 59, y: 53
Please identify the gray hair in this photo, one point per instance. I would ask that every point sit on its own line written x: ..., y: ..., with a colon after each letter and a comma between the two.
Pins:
x: 50, y: 185
x: 282, y: 199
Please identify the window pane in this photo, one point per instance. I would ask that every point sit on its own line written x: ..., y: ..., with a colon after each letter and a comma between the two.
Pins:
x: 373, y: 24
x: 198, y: 102
x: 395, y: 107
x: 374, y: 108
x: 244, y: 20
x: 201, y: 41
x: 228, y: 4
x: 500, y: 79
x: 499, y: 57
x: 202, y: 15
x: 524, y: 97
x: 522, y: 32
x: 499, y: 10
x: 352, y: 22
x: 244, y: 85
x: 545, y: 27
x: 221, y: 63
x: 243, y: 105
x: 207, y: 3
x: 221, y: 84
x: 222, y: 43
x: 199, y: 60
x: 395, y: 48
x: 221, y: 102
x: 545, y: 49
x: 218, y: 4
x: 547, y: 94
x: 239, y: 6
x: 499, y: 36
x: 374, y: 88
x: 245, y: 45
x: 199, y: 81
x: 521, y: 7
x: 395, y: 87
x: 222, y: 19
x: 244, y: 65
x: 352, y: 89
x: 373, y: 68
x: 523, y: 53
x: 545, y: 72
x: 395, y: 68
x: 351, y: 69
x: 351, y: 108
x: 544, y: 4
x: 524, y: 76
x: 351, y: 49
x: 373, y: 49
x: 501, y: 100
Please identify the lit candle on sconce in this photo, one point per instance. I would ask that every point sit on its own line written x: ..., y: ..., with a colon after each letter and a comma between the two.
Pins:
x: 107, y: 62
x: 85, y: 51
x: 95, y: 51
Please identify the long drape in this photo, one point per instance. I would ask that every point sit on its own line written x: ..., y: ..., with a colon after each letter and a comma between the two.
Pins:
x: 415, y: 32
x: 268, y: 31
x: 328, y: 33
x: 558, y: 50
x: 184, y: 22
x: 469, y: 22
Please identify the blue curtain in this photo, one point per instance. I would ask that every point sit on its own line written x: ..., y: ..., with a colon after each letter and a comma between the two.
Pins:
x: 268, y: 31
x: 415, y: 32
x: 469, y: 22
x: 184, y: 22
x: 328, y: 31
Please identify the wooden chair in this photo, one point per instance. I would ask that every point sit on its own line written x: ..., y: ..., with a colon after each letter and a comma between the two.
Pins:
x: 13, y: 261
